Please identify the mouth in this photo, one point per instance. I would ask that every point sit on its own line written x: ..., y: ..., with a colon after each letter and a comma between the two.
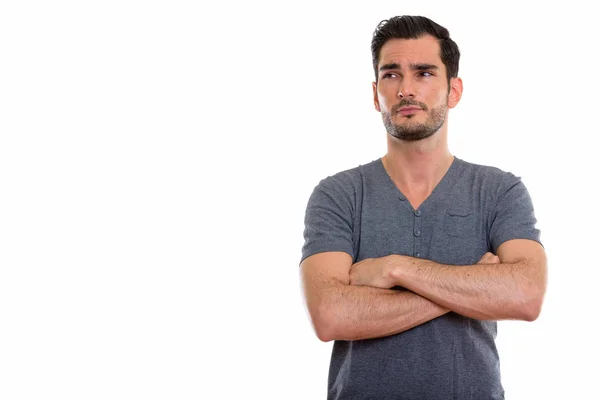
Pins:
x: 409, y: 110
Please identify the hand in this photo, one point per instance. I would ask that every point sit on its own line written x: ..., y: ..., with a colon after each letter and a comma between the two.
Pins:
x: 489, y: 258
x: 373, y: 272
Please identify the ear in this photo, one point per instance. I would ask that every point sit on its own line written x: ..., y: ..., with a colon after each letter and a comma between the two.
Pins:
x: 375, y: 97
x: 456, y: 89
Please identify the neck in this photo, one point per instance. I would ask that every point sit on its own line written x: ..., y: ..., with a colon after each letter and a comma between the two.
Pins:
x: 417, y: 167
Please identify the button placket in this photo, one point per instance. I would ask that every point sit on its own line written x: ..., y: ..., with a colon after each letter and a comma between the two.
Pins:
x: 417, y: 233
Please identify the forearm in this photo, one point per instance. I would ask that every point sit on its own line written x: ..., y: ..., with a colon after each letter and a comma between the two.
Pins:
x: 362, y: 312
x: 490, y: 292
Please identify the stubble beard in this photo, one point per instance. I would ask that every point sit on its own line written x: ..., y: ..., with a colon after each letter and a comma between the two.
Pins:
x: 412, y: 131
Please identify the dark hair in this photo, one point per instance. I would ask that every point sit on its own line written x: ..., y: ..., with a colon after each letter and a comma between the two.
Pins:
x: 414, y: 27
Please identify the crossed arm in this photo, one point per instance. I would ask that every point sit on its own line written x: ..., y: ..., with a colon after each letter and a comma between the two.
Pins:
x: 350, y: 302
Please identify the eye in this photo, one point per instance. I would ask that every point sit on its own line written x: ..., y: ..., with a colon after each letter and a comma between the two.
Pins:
x: 389, y: 75
x: 425, y: 74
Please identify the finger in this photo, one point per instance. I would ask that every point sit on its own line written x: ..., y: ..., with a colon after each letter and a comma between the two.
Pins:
x: 484, y: 259
x: 489, y: 258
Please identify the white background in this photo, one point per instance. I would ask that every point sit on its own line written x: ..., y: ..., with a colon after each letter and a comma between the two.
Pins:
x: 156, y: 159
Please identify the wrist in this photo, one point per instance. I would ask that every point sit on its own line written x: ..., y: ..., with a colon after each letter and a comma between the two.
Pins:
x: 401, y: 269
x: 392, y: 271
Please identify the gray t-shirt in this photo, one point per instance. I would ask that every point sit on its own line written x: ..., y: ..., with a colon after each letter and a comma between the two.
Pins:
x: 474, y: 209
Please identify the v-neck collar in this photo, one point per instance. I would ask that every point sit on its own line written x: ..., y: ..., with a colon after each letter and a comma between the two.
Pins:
x: 439, y: 188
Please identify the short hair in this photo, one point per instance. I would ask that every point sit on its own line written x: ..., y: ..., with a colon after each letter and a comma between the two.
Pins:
x: 414, y: 27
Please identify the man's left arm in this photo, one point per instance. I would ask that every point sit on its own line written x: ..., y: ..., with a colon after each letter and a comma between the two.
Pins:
x: 511, y: 289
x: 514, y: 288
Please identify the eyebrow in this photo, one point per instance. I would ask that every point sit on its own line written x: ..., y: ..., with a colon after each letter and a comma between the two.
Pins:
x: 414, y: 67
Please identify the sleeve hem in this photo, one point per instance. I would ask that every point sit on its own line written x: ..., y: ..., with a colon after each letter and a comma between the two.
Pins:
x: 322, y: 249
x: 506, y: 238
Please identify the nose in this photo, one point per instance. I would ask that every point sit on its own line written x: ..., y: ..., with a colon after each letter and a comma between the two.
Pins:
x: 405, y: 90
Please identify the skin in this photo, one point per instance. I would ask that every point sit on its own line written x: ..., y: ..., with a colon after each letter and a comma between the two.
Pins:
x: 350, y: 302
x: 513, y: 289
x: 416, y: 166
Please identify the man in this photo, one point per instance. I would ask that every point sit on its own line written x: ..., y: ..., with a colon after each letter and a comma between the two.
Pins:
x: 410, y: 259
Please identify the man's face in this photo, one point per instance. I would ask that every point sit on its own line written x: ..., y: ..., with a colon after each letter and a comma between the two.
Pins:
x: 414, y: 68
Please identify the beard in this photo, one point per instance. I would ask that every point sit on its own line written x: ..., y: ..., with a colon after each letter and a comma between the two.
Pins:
x: 412, y: 131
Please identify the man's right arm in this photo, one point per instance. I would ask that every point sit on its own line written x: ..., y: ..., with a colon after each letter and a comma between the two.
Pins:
x: 340, y: 311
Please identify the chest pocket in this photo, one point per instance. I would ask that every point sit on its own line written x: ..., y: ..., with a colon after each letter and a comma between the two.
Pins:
x: 461, y: 242
x: 460, y: 223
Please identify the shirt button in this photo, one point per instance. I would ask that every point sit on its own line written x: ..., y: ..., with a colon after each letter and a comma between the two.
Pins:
x: 418, y: 213
x: 417, y: 254
x: 417, y: 233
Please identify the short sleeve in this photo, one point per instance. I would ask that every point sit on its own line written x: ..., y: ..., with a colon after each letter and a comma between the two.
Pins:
x: 513, y: 217
x: 328, y: 219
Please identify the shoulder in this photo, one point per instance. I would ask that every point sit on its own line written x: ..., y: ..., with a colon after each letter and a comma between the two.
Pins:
x: 348, y: 181
x: 488, y: 176
x: 484, y: 170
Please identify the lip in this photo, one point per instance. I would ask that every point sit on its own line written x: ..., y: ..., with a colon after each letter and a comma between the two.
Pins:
x: 408, y: 110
